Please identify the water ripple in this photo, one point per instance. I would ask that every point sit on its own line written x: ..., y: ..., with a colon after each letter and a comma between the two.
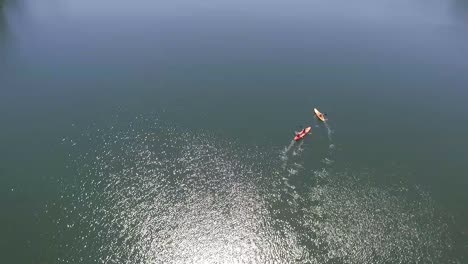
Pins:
x: 153, y: 193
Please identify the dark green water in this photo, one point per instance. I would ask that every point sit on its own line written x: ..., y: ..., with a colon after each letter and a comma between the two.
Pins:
x: 147, y: 132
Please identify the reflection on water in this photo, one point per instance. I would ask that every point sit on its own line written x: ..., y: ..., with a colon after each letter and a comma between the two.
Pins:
x: 153, y: 193
x: 362, y: 223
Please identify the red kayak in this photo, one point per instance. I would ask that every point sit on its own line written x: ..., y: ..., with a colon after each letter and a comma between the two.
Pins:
x: 302, y: 134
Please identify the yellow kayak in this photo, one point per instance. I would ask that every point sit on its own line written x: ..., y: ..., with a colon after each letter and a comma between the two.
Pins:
x: 319, y: 115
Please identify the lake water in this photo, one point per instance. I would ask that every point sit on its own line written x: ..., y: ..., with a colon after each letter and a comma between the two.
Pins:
x: 161, y: 131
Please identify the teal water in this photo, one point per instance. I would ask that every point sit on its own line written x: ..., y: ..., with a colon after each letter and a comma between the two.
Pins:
x: 161, y: 132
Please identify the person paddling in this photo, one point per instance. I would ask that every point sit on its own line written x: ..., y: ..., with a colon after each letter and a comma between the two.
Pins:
x: 300, y: 132
x: 319, y: 115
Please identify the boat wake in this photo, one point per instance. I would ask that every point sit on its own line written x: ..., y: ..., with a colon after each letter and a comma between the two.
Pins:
x: 299, y: 149
x: 292, y: 150
x: 284, y: 154
x: 329, y: 133
x: 287, y: 149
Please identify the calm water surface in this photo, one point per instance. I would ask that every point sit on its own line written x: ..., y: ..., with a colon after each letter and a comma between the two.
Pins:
x: 160, y: 132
